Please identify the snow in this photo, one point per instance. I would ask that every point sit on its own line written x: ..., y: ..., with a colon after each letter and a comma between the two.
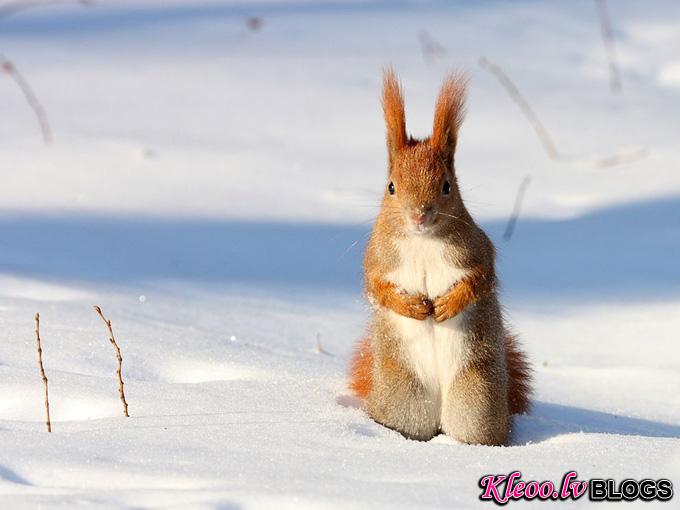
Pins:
x: 670, y: 75
x: 211, y: 188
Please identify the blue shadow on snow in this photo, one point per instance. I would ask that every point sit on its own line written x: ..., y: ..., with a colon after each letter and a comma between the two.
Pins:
x: 630, y: 250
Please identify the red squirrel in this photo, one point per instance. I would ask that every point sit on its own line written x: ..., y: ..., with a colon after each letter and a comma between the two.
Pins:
x: 438, y: 356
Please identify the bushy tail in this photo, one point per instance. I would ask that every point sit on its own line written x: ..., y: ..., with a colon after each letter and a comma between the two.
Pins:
x: 361, y: 369
x: 519, y: 377
x: 519, y: 374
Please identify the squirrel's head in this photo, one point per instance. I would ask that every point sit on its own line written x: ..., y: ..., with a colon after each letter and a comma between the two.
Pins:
x: 421, y: 190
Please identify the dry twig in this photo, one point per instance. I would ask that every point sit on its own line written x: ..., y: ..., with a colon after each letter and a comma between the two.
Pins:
x: 319, y: 348
x: 519, y: 197
x: 254, y: 23
x: 48, y: 422
x: 430, y: 47
x: 9, y: 67
x: 519, y: 100
x: 112, y: 339
x: 608, y: 37
x: 622, y: 158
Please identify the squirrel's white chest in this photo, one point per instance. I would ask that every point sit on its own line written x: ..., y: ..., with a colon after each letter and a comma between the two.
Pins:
x: 435, y: 351
x: 425, y: 266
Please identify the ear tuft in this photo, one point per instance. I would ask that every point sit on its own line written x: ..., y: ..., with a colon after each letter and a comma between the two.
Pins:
x: 393, y: 108
x: 448, y: 114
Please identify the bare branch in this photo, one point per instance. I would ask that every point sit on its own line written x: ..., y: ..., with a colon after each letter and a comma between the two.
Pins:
x: 519, y: 100
x: 319, y: 348
x: 608, y: 38
x: 519, y: 197
x: 254, y: 23
x: 430, y: 48
x: 9, y: 67
x: 622, y: 158
x: 119, y: 356
x: 48, y: 422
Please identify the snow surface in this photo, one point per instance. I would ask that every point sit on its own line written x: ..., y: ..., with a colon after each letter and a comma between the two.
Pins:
x: 211, y: 188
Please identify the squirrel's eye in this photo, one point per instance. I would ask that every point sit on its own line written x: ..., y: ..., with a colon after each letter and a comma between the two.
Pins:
x: 390, y: 188
x: 447, y: 188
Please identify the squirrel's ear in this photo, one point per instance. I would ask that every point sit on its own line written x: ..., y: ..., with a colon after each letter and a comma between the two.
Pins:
x: 393, y: 107
x: 448, y: 115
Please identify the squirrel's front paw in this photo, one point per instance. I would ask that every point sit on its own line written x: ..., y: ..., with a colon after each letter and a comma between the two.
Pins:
x: 446, y: 306
x: 415, y: 306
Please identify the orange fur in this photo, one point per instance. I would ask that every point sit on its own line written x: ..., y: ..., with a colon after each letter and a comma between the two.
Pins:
x: 519, y: 377
x: 462, y: 294
x: 519, y: 374
x: 448, y: 114
x: 386, y: 294
x: 393, y: 108
x: 361, y: 369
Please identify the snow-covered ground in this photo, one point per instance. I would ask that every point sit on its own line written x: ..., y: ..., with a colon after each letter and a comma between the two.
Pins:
x: 211, y: 188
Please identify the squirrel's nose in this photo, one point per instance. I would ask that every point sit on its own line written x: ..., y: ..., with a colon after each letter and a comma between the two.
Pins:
x: 420, y: 219
x: 422, y: 216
